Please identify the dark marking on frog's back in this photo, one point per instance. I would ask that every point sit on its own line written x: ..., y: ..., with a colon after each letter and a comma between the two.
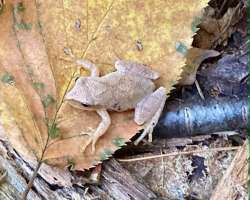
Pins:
x: 116, y: 106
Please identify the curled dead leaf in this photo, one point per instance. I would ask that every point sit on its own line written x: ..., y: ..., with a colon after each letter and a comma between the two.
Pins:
x: 214, y: 31
x: 195, y: 57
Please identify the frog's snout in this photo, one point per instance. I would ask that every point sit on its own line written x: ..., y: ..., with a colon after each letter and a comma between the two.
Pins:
x: 73, y: 94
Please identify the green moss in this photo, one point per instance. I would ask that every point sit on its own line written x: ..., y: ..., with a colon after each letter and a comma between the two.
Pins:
x: 71, y: 163
x: 195, y: 23
x: 54, y: 131
x: 39, y: 24
x: 38, y: 85
x: 48, y: 100
x: 18, y: 45
x: 106, y: 153
x: 181, y: 48
x: 119, y: 142
x: 7, y: 78
x: 24, y: 26
x: 19, y: 7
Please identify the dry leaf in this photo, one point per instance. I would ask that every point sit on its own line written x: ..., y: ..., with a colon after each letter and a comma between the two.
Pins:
x: 195, y: 57
x: 36, y: 73
x: 214, y: 31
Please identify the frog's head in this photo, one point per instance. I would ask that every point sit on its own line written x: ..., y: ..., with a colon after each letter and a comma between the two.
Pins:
x: 79, y: 96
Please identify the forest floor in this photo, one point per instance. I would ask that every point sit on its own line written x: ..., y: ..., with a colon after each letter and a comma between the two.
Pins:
x: 197, y: 144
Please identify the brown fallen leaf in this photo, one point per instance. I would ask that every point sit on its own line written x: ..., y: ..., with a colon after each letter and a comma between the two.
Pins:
x: 36, y: 73
x: 213, y: 32
x: 195, y: 57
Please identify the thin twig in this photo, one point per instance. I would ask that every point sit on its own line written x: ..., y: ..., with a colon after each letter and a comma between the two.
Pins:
x: 179, y: 153
x: 97, y: 29
x: 199, y: 90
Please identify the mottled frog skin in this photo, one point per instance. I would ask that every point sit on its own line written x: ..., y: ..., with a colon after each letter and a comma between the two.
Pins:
x: 130, y: 87
x: 115, y: 91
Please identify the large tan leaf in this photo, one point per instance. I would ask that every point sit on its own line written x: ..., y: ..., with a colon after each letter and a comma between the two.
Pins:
x: 36, y: 73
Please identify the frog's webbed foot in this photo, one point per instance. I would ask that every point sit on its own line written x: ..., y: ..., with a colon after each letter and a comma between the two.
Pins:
x: 149, y: 111
x: 101, y: 129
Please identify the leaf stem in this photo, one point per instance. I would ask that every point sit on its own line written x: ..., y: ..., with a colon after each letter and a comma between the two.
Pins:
x: 97, y: 29
x: 31, y: 181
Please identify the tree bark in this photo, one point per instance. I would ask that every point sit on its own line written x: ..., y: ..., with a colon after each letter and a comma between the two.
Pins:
x: 54, y: 184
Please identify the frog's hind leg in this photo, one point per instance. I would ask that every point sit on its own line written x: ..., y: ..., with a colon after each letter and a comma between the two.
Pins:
x: 148, y: 111
x: 101, y: 129
x: 139, y: 69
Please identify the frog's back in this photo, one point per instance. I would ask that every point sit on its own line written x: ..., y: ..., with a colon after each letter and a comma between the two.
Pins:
x: 120, y: 92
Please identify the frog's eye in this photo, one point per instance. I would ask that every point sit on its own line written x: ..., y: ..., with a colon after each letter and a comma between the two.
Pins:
x: 85, y: 105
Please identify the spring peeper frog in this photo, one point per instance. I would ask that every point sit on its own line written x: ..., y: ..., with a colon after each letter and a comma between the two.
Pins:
x: 130, y: 87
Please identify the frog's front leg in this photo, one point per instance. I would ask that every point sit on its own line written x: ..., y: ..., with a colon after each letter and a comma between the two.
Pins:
x: 148, y: 111
x: 84, y: 63
x: 105, y: 123
x: 101, y: 129
x: 89, y: 66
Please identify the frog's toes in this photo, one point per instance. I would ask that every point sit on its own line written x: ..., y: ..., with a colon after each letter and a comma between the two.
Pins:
x: 91, y: 141
x: 149, y: 128
x: 93, y: 148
